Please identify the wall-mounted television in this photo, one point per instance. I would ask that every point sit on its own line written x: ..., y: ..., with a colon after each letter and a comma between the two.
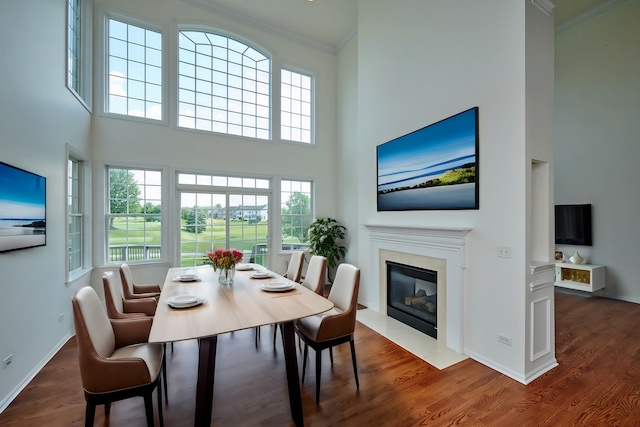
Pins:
x: 433, y: 168
x: 573, y: 225
x: 22, y: 209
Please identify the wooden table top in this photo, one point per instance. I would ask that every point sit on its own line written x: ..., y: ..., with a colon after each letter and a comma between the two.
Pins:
x: 228, y: 308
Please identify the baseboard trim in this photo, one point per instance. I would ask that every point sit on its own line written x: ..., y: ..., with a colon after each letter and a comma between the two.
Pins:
x: 6, y: 401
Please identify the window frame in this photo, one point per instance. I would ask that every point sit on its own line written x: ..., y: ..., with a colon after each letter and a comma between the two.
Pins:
x: 311, y: 214
x: 312, y: 102
x: 102, y: 61
x: 84, y: 35
x: 249, y: 44
x: 163, y: 215
x: 84, y: 207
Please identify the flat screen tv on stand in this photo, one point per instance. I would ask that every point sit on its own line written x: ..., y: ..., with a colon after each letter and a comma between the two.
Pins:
x: 573, y: 225
x: 22, y: 209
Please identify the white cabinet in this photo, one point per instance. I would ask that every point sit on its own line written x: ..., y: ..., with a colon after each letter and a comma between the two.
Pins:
x: 583, y: 277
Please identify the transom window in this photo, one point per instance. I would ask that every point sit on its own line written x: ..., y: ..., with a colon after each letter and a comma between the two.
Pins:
x: 134, y: 59
x: 223, y: 85
x: 295, y: 197
x: 79, y: 49
x: 295, y: 115
x: 134, y: 219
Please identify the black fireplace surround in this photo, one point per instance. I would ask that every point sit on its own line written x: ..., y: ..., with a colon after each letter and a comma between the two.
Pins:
x: 412, y: 296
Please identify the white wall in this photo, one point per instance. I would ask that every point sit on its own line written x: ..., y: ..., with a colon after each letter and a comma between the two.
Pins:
x: 39, y: 116
x: 420, y: 62
x: 597, y: 138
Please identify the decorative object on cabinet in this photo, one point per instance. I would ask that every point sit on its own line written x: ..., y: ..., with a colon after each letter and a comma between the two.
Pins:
x: 576, y: 258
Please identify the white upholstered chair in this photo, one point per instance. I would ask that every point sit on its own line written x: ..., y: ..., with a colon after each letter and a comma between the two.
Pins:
x: 116, y: 361
x: 130, y: 290
x: 333, y: 327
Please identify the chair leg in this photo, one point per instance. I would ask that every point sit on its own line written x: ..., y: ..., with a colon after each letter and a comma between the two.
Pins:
x: 107, y: 408
x: 331, y: 355
x: 353, y: 358
x: 304, y: 360
x: 90, y: 413
x: 148, y: 408
x: 164, y: 373
x: 318, y: 367
x: 275, y: 332
x: 160, y: 415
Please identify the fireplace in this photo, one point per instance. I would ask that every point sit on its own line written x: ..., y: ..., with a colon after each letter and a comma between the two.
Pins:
x: 412, y: 296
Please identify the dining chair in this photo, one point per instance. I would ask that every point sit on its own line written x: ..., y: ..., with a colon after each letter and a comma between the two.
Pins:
x: 293, y: 273
x: 116, y: 361
x: 294, y: 269
x: 333, y: 327
x: 131, y: 291
x: 316, y: 274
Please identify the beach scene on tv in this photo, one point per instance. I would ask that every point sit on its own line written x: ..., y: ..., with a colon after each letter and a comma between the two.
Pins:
x: 432, y: 168
x: 22, y: 209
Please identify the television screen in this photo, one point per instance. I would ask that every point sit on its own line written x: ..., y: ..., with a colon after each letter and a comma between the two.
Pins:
x: 573, y: 225
x: 435, y: 167
x: 22, y: 209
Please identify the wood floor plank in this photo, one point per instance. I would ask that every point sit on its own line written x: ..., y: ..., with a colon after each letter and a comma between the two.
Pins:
x: 597, y: 383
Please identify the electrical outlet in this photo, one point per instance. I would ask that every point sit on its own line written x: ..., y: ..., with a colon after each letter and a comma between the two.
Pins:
x: 60, y: 317
x: 7, y: 361
x: 504, y: 251
x: 504, y: 339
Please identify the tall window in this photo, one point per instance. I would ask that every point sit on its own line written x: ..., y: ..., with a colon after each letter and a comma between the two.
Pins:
x: 134, y: 219
x: 220, y: 212
x: 295, y: 197
x: 75, y: 215
x: 79, y: 49
x: 223, y: 85
x: 134, y: 60
x: 295, y: 115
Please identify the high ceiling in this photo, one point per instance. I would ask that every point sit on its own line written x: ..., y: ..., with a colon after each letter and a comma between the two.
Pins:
x: 328, y: 23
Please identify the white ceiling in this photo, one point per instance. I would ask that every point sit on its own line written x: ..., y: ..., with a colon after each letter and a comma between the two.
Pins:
x: 330, y: 23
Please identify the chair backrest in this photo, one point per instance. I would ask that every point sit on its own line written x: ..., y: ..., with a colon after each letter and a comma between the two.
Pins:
x: 94, y: 332
x: 316, y: 274
x: 294, y: 269
x: 344, y: 291
x: 112, y: 295
x: 127, y: 281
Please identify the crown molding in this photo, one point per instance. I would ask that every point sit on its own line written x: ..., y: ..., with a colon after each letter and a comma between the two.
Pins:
x: 588, y: 15
x: 544, y: 5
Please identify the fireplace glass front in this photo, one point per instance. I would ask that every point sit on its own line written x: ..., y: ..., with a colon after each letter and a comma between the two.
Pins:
x: 412, y: 296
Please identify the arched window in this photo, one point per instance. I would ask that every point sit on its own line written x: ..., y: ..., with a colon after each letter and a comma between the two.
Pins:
x: 223, y: 85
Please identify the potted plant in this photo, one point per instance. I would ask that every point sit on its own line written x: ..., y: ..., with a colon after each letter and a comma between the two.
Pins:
x: 325, y: 235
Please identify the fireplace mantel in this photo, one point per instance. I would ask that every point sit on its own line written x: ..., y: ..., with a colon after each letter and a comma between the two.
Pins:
x: 447, y: 244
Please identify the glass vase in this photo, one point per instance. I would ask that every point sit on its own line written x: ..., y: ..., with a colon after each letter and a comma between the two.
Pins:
x: 226, y: 275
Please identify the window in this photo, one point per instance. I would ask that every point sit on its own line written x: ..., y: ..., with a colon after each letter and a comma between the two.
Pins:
x: 134, y: 219
x: 295, y: 197
x: 223, y: 85
x: 78, y: 49
x: 134, y: 63
x: 295, y: 115
x: 75, y: 234
x: 221, y: 212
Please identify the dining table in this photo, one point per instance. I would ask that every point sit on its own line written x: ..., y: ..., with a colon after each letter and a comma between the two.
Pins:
x: 194, y: 305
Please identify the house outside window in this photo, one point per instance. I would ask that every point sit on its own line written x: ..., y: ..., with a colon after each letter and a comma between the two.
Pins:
x: 134, y: 65
x: 297, y: 213
x: 296, y: 94
x: 134, y: 217
x: 223, y: 85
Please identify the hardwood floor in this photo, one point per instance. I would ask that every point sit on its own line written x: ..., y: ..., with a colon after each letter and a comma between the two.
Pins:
x: 596, y: 384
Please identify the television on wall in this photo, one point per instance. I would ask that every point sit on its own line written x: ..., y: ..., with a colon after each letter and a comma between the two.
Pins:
x: 433, y: 168
x: 573, y: 225
x: 22, y: 209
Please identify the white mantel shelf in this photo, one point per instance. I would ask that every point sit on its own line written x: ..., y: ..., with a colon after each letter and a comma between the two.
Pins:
x: 450, y: 235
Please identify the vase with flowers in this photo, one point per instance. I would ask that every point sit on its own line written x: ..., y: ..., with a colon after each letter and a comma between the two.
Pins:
x: 224, y: 262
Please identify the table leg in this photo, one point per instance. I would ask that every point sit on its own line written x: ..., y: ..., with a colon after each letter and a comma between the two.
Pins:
x: 206, y: 374
x: 293, y: 382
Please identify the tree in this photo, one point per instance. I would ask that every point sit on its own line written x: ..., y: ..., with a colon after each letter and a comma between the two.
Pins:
x: 124, y: 193
x: 295, y: 216
x: 195, y: 220
x: 150, y: 208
